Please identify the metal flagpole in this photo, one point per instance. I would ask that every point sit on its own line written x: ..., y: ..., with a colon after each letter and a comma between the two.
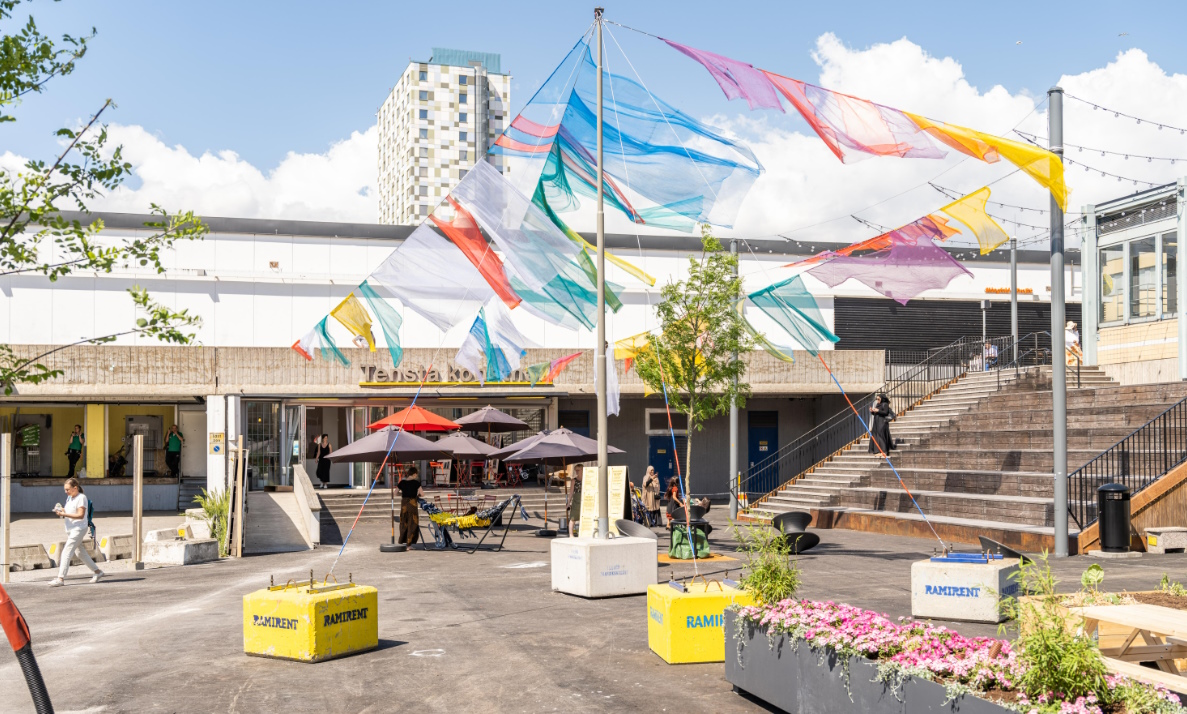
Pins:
x: 733, y: 472
x: 1013, y: 299
x: 600, y: 350
x: 1058, y: 360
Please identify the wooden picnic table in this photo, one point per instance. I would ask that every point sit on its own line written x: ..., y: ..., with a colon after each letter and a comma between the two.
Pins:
x: 1162, y: 632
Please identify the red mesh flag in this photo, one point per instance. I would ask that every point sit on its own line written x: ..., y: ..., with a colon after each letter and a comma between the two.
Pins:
x: 463, y: 231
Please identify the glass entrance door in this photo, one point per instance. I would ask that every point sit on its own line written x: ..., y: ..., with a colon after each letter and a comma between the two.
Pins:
x: 360, y: 474
x: 293, y: 428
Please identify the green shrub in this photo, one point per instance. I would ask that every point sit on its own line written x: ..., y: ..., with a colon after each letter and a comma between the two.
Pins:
x: 771, y: 575
x: 216, y: 509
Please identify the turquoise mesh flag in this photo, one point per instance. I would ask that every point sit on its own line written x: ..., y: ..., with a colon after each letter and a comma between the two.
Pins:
x: 389, y: 321
x: 794, y: 309
x: 327, y: 344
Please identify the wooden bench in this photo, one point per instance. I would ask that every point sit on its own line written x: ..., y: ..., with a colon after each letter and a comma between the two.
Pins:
x: 1162, y: 632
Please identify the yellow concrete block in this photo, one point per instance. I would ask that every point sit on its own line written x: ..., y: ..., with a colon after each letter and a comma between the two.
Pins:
x: 310, y: 623
x: 684, y: 627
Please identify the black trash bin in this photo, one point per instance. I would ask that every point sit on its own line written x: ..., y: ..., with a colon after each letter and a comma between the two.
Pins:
x: 1112, y: 501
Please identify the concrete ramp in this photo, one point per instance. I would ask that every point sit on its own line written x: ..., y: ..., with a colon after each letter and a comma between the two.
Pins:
x: 274, y: 524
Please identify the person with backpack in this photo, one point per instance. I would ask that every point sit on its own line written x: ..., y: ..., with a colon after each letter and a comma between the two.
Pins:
x: 77, y: 515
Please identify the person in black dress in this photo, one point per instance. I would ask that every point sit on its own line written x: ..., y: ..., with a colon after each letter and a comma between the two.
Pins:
x: 882, y: 442
x: 410, y: 492
x: 323, y: 460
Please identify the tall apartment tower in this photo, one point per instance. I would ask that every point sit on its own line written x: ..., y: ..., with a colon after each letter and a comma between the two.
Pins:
x: 439, y: 119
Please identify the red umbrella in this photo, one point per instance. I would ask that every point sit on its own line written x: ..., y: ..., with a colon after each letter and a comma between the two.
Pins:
x: 415, y: 418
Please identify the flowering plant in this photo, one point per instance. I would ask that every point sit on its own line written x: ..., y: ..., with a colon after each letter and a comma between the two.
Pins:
x: 963, y: 664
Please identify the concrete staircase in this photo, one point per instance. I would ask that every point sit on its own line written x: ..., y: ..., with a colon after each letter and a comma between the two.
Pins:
x: 271, y: 523
x: 187, y: 488
x: 341, y: 506
x: 978, y: 460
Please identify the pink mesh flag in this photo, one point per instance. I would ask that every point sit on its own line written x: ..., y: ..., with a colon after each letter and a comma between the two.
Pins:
x: 737, y: 79
x: 901, y: 272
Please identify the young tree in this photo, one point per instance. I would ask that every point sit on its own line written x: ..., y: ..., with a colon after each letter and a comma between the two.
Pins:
x: 697, y: 354
x: 35, y: 238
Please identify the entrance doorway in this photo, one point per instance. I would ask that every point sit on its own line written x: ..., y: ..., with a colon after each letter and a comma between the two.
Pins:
x: 763, y: 443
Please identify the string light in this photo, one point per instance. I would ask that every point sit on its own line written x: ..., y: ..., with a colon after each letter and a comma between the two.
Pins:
x: 954, y: 194
x: 1039, y: 140
x: 1118, y: 115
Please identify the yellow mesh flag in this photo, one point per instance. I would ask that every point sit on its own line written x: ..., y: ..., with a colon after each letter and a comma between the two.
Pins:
x: 353, y: 316
x: 628, y: 348
x: 970, y: 211
x: 1036, y: 162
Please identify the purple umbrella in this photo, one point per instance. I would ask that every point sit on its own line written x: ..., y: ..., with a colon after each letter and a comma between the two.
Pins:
x: 519, y: 445
x: 559, y: 447
x: 466, y: 447
x: 402, y: 445
x: 492, y: 421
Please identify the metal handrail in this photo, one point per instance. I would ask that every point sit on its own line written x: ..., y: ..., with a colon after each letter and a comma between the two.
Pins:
x: 906, y: 389
x: 1137, y: 461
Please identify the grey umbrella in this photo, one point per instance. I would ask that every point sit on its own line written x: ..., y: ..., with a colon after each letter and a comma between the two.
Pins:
x: 560, y: 447
x: 519, y: 445
x: 402, y: 445
x: 466, y: 447
x: 492, y: 421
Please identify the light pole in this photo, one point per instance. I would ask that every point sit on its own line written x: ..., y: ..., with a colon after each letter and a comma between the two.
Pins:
x: 733, y: 472
x: 600, y: 351
x: 1058, y: 367
x: 1013, y: 299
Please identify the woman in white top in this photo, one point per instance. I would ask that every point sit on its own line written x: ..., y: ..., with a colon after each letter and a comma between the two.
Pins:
x: 1071, y: 338
x: 74, y: 515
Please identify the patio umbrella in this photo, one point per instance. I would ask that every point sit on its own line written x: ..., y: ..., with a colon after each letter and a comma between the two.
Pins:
x: 519, y: 445
x: 415, y: 418
x: 374, y: 448
x: 492, y: 421
x: 466, y: 447
x: 560, y: 447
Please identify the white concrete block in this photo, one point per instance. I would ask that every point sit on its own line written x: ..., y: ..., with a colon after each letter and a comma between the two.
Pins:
x: 55, y: 553
x: 592, y: 567
x: 117, y: 547
x: 962, y: 591
x: 180, y: 552
x: 1166, y: 540
x: 197, y: 529
x: 28, y: 557
x: 164, y: 534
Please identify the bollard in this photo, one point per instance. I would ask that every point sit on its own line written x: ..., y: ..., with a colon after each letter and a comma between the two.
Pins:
x: 5, y: 505
x: 138, y: 502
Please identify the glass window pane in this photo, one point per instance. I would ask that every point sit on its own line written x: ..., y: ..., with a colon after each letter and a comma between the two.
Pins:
x: 1142, y: 278
x: 1170, y: 290
x: 1112, y: 284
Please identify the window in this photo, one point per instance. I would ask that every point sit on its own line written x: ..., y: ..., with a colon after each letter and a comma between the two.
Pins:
x: 424, y: 113
x: 1112, y: 283
x: 423, y: 96
x: 461, y: 174
x: 463, y: 117
x: 424, y: 76
x: 463, y: 136
x: 424, y: 171
x: 657, y: 422
x: 464, y: 155
x: 1142, y: 277
x: 463, y: 79
x: 424, y: 210
x: 424, y: 190
x: 1170, y: 279
x: 424, y: 133
x: 464, y: 98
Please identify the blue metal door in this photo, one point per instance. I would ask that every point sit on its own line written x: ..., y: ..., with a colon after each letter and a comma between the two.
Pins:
x: 763, y: 431
x: 659, y: 455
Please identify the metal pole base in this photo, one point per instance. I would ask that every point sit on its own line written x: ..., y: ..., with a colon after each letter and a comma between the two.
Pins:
x: 393, y: 547
x: 546, y: 533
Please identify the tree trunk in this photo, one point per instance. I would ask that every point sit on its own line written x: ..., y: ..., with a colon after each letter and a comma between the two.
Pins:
x: 688, y: 465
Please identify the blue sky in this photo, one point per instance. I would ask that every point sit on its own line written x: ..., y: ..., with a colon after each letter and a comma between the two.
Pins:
x: 266, y: 78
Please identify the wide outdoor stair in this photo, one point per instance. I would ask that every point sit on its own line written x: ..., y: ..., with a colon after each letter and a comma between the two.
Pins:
x: 977, y: 457
x: 341, y: 506
x: 187, y: 489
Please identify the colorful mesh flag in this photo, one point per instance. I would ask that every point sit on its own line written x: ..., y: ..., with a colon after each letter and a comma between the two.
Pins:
x: 463, y: 231
x: 329, y: 351
x: 737, y: 79
x: 547, y: 372
x: 901, y: 272
x: 794, y: 309
x: 389, y: 320
x: 627, y: 349
x: 429, y: 275
x: 353, y: 316
x: 476, y: 348
x: 783, y: 354
x: 537, y: 372
x: 308, y: 344
x: 970, y: 210
x: 504, y: 336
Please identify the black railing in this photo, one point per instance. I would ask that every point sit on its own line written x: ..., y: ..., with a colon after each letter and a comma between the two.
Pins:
x: 906, y: 386
x: 1137, y: 461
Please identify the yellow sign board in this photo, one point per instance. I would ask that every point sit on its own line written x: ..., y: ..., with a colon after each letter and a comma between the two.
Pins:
x: 589, y: 499
x: 218, y: 443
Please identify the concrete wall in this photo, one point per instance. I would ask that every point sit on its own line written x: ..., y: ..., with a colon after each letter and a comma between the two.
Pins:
x: 108, y: 497
x: 1144, y: 372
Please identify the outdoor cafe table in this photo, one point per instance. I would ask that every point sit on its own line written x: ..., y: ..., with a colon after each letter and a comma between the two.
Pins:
x: 1163, y: 635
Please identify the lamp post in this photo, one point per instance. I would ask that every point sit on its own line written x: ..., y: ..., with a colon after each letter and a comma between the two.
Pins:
x: 600, y: 351
x: 1058, y: 368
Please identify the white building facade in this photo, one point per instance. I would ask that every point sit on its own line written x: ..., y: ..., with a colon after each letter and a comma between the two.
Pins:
x: 441, y: 117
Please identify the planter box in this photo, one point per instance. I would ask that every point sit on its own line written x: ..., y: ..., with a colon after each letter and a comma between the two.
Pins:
x: 803, y: 680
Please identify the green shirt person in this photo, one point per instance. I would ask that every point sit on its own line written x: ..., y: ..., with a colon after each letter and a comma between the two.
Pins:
x: 173, y: 443
x: 74, y: 450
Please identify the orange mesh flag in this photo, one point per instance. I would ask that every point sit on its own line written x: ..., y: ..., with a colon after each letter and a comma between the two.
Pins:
x: 970, y: 211
x: 353, y: 316
x: 464, y: 233
x: 1036, y: 162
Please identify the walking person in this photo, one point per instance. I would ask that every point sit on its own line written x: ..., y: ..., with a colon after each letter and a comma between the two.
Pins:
x: 881, y: 442
x: 323, y: 460
x: 74, y: 515
x: 410, y: 492
x: 173, y: 443
x: 651, y: 496
x: 74, y: 450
